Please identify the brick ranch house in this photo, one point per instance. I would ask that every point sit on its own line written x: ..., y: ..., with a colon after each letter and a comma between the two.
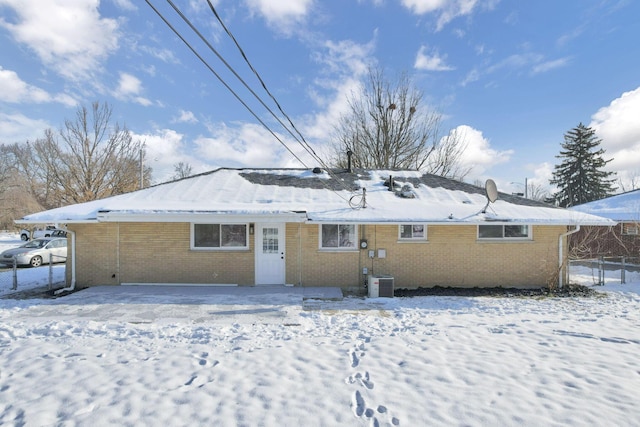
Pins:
x: 621, y: 240
x: 300, y: 227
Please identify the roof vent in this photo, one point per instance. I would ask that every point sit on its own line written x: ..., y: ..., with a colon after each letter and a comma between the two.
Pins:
x: 406, y: 192
x: 317, y: 170
x: 390, y: 183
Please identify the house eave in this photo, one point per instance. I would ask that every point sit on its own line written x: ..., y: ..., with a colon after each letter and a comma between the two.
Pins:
x: 55, y: 221
x: 223, y: 217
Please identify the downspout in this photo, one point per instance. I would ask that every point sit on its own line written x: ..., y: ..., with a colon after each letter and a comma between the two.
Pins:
x: 73, y: 265
x: 560, y: 251
x: 300, y: 254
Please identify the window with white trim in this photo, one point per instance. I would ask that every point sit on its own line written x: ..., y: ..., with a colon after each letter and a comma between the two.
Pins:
x: 515, y: 232
x: 219, y: 236
x: 412, y: 232
x: 338, y: 236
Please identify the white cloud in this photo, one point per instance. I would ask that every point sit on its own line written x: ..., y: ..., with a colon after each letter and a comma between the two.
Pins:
x: 186, y: 117
x: 13, y: 89
x: 537, y: 178
x: 619, y: 128
x: 447, y: 10
x: 478, y: 154
x: 129, y: 87
x: 517, y: 61
x: 281, y: 15
x: 165, y: 55
x: 68, y: 36
x: 346, y: 63
x: 346, y: 57
x: 20, y: 128
x: 617, y: 124
x: 526, y: 63
x: 543, y: 67
x: 125, y: 5
x: 432, y: 62
x: 163, y: 149
x: 248, y: 145
x: 472, y: 76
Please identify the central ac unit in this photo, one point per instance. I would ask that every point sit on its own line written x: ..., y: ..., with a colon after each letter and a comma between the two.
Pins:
x: 380, y: 286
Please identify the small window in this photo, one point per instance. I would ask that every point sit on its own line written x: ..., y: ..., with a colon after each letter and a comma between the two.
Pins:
x: 338, y: 236
x: 503, y: 232
x: 413, y: 232
x: 219, y: 236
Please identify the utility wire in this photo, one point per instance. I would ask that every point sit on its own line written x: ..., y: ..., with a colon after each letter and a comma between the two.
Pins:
x: 223, y: 82
x: 264, y: 86
x: 304, y: 145
x: 299, y: 139
x: 230, y: 68
x: 302, y: 141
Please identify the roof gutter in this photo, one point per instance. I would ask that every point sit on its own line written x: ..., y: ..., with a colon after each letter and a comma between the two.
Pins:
x: 560, y: 251
x: 55, y: 221
x: 72, y: 287
x: 222, y: 217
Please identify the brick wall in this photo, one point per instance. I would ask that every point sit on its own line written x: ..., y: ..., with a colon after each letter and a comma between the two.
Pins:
x: 112, y: 253
x: 154, y: 253
x: 452, y: 256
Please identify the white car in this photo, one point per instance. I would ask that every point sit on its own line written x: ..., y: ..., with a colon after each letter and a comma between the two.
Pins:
x: 37, y: 232
x: 37, y: 252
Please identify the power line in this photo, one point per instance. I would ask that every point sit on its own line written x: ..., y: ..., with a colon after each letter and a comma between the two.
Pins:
x: 302, y: 141
x: 264, y: 86
x: 304, y: 145
x: 223, y: 82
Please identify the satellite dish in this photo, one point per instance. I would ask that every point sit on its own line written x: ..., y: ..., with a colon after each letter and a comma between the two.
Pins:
x: 492, y: 193
x: 492, y: 190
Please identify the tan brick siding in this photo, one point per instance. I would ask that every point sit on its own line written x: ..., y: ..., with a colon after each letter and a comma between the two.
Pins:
x: 113, y: 253
x: 154, y: 253
x: 321, y: 268
x: 452, y: 256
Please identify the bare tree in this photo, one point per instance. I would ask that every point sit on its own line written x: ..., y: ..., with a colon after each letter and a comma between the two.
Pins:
x: 632, y: 184
x: 388, y: 126
x: 537, y: 192
x: 88, y: 159
x: 5, y: 168
x: 16, y: 198
x: 445, y: 158
x: 182, y: 170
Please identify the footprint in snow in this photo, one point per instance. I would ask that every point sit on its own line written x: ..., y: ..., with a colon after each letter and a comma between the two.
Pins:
x: 358, y: 405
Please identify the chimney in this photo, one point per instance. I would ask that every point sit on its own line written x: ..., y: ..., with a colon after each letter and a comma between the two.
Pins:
x: 349, y: 154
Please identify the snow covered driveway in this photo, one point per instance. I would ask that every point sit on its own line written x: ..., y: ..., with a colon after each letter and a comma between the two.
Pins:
x: 407, y: 362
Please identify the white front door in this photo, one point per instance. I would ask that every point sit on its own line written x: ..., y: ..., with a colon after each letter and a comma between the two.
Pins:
x: 270, y: 254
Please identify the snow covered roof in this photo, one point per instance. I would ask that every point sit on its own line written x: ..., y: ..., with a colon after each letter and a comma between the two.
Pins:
x: 621, y: 207
x: 300, y: 195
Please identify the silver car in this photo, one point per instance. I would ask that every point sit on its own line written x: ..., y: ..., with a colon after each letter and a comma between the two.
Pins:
x: 37, y: 252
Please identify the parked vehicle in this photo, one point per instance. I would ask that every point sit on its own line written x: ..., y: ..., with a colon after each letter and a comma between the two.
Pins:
x: 37, y: 252
x: 37, y: 232
x: 59, y: 233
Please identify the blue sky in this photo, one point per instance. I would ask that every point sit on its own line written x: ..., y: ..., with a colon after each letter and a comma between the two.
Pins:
x: 512, y: 76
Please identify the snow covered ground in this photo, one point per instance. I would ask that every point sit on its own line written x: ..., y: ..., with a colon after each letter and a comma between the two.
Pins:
x: 96, y: 358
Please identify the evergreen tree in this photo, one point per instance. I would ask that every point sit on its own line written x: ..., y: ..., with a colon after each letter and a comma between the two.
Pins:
x: 580, y: 178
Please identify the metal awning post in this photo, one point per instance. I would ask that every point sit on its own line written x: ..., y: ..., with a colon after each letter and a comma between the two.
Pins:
x: 50, y: 271
x: 15, y: 274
